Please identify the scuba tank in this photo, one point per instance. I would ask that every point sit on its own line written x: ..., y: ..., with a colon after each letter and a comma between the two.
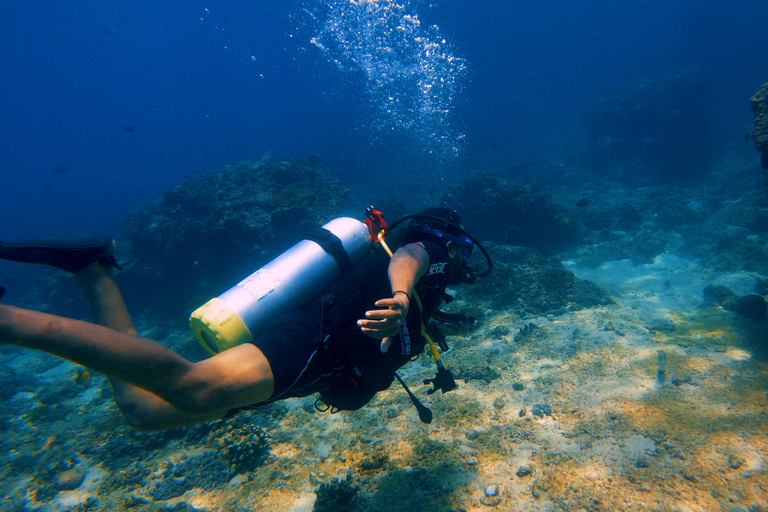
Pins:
x: 299, y: 274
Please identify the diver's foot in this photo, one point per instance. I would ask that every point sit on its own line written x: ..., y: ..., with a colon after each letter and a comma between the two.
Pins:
x: 70, y: 256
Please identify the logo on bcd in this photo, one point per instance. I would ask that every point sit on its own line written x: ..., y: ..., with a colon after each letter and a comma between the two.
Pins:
x: 437, y: 268
x: 405, y: 336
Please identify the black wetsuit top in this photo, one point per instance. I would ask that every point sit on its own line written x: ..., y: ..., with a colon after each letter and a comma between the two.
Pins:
x: 318, y: 347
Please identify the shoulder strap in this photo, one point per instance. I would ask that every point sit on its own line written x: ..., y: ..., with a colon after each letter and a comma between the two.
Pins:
x: 333, y: 246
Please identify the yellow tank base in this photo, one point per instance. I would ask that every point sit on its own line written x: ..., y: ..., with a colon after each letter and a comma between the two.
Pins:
x: 217, y: 327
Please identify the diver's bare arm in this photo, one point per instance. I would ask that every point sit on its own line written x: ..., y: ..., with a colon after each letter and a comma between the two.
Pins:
x: 406, y: 267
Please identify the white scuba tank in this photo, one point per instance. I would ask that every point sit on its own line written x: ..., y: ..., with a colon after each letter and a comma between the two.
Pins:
x: 299, y: 274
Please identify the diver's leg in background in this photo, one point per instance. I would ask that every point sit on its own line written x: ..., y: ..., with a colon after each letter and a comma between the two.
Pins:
x: 176, y: 391
x: 139, y: 407
x: 104, y: 296
x: 107, y: 348
x: 197, y: 392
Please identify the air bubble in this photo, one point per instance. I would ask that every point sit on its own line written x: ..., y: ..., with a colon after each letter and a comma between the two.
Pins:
x: 411, y: 73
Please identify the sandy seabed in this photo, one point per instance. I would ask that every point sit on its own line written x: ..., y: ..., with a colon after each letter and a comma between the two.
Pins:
x: 656, y: 402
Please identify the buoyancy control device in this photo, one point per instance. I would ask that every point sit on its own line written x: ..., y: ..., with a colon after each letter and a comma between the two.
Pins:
x: 300, y: 273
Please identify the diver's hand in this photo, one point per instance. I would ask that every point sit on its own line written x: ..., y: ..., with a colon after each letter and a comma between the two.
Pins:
x: 384, y: 324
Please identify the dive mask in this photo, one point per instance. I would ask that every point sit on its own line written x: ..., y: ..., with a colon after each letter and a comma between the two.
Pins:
x: 465, y: 243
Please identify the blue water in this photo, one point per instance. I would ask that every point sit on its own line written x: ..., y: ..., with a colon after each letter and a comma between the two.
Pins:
x: 107, y: 104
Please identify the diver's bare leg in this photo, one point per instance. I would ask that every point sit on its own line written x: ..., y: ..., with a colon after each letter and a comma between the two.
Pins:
x: 104, y: 296
x: 141, y: 409
x: 200, y: 391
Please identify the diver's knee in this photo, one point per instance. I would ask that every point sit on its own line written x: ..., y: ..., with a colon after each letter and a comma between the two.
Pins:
x: 136, y: 420
x: 136, y: 414
x: 191, y: 402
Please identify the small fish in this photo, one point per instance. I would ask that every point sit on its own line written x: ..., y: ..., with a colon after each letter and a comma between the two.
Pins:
x: 582, y: 203
x: 62, y: 169
x: 129, y: 128
x: 82, y: 377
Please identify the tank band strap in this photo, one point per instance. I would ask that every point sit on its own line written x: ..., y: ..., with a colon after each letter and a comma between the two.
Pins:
x: 333, y: 246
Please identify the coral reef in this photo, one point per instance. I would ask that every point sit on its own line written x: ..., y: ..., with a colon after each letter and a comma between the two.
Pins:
x: 206, y: 470
x: 526, y: 282
x: 619, y: 362
x: 661, y: 121
x: 245, y: 447
x: 499, y: 210
x: 217, y: 228
x: 759, y: 104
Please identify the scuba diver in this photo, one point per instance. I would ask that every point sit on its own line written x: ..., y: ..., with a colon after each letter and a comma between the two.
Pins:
x: 320, y: 344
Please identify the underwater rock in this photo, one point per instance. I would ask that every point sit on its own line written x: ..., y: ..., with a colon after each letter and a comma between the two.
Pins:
x: 755, y: 218
x: 69, y: 479
x: 221, y: 226
x: 661, y: 325
x: 759, y: 103
x: 207, y: 470
x: 392, y: 413
x: 735, y: 461
x: 498, y: 332
x: 10, y: 383
x: 525, y: 282
x: 128, y: 444
x: 642, y: 462
x: 526, y: 330
x: 522, y: 215
x: 169, y: 488
x: 541, y: 410
x: 717, y: 294
x: 523, y: 471
x: 484, y: 373
x: 491, y: 497
x: 751, y: 306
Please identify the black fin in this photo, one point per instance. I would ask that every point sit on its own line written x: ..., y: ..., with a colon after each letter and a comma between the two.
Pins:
x: 69, y: 256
